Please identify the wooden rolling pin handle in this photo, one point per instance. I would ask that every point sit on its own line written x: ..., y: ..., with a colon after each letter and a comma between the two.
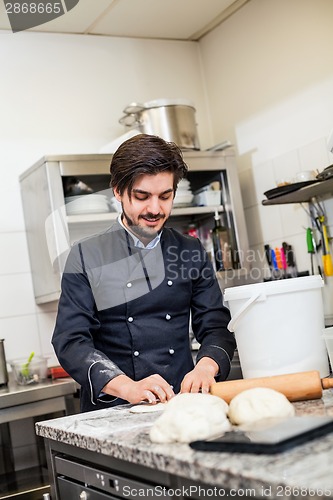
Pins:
x: 327, y: 383
x: 295, y: 386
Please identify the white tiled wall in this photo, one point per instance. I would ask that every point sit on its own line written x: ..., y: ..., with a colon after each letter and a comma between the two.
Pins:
x: 283, y: 222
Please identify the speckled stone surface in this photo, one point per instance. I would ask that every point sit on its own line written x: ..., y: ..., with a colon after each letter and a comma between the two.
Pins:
x: 305, y: 471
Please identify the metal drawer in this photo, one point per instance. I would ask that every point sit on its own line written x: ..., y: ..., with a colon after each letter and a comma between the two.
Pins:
x: 74, y: 491
x: 97, y: 483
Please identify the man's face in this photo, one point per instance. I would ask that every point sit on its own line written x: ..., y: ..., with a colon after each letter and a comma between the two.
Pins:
x: 150, y: 205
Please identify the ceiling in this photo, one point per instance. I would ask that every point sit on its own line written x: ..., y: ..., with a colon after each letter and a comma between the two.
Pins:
x: 159, y: 19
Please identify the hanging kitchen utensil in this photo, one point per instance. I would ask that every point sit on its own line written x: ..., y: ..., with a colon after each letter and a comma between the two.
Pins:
x: 326, y: 256
x: 269, y: 259
x: 284, y: 261
x: 290, y: 259
x: 276, y: 272
x: 309, y: 242
x: 315, y: 228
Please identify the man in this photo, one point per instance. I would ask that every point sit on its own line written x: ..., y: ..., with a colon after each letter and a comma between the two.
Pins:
x: 128, y: 294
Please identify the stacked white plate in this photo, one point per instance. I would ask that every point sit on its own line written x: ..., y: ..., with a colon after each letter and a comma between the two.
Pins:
x: 87, y: 204
x: 184, y: 195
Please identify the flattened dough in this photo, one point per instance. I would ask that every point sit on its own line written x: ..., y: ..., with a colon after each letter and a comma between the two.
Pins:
x: 188, y: 417
x: 147, y: 408
x: 257, y: 403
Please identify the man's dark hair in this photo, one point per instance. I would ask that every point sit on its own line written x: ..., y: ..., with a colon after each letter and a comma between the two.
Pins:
x: 145, y: 154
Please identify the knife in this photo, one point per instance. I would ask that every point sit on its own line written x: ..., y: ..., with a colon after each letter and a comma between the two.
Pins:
x: 284, y: 261
x: 269, y: 259
x: 291, y: 261
x: 276, y: 272
x: 291, y: 267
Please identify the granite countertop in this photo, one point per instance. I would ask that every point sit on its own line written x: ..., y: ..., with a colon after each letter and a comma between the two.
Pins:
x: 304, y: 472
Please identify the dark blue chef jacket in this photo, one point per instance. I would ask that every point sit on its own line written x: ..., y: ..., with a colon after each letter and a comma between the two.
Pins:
x: 125, y: 310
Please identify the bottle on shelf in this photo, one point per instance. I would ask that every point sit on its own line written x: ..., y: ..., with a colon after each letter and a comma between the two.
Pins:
x: 193, y: 230
x: 207, y: 242
x: 221, y: 245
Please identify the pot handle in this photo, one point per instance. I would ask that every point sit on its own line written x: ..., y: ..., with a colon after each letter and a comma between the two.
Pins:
x: 234, y: 320
x: 133, y: 108
x: 128, y: 120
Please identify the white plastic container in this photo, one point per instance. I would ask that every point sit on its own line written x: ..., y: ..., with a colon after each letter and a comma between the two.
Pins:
x: 29, y: 373
x: 207, y: 198
x: 278, y: 326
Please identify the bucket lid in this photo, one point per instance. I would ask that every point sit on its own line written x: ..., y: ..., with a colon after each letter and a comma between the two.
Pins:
x: 274, y: 287
x: 168, y: 102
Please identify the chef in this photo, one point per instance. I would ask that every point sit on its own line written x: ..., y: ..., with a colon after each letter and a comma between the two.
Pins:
x: 129, y: 293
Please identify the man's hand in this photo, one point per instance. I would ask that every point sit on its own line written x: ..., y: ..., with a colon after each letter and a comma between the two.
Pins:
x: 201, y: 377
x: 152, y: 389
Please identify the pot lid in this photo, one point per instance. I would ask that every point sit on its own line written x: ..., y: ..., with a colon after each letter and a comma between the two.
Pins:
x: 135, y: 108
x: 168, y: 102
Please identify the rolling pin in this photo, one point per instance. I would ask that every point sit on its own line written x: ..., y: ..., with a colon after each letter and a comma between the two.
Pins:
x: 295, y: 386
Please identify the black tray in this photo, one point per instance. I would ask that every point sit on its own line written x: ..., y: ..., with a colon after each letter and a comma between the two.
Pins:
x: 270, y: 436
x: 289, y: 188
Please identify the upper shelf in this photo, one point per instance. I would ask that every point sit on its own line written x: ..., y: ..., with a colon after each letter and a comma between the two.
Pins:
x: 109, y: 216
x: 304, y: 194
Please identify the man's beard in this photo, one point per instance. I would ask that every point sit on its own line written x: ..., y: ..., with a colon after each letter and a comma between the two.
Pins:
x: 143, y: 232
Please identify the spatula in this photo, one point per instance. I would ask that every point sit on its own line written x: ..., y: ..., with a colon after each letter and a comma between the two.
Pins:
x: 25, y: 367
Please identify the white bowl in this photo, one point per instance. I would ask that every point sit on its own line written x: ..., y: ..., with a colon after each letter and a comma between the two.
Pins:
x: 306, y: 175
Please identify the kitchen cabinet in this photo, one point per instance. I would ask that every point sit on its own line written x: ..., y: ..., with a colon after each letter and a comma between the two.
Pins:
x: 51, y: 232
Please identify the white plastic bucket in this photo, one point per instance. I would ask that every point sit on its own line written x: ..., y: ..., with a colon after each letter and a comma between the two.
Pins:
x: 278, y: 326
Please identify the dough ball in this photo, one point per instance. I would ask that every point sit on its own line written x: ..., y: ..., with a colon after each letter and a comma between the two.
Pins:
x: 260, y: 402
x: 189, y: 417
x: 147, y: 408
